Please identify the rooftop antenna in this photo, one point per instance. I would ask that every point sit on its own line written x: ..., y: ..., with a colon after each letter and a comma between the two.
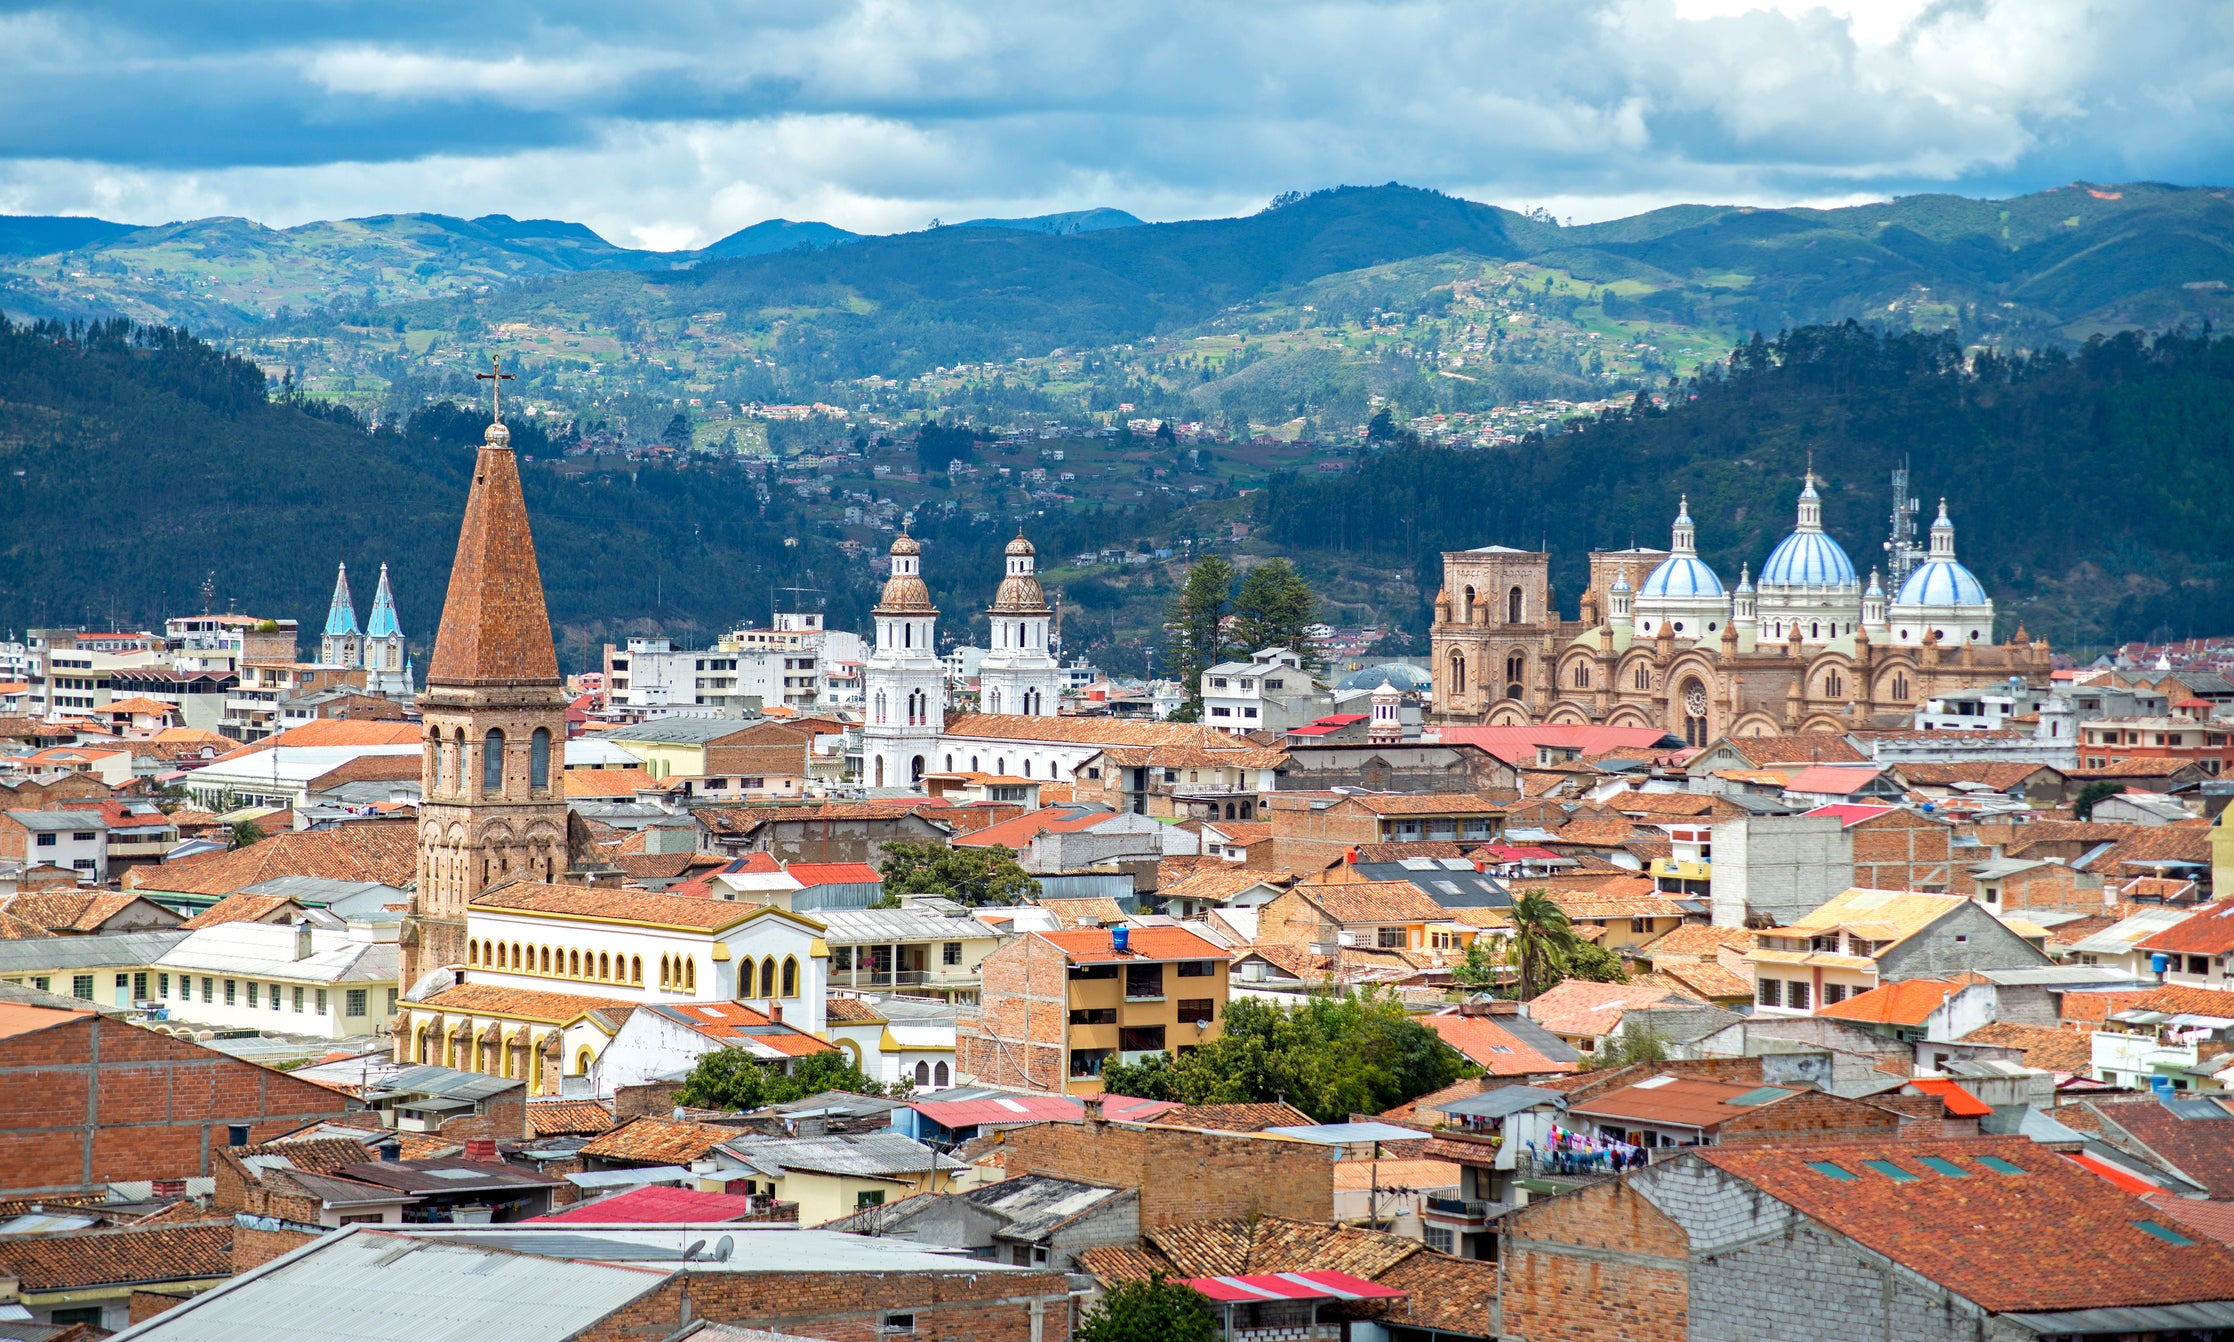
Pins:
x: 1902, y: 553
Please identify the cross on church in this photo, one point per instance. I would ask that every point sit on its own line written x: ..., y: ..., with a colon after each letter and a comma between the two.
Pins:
x: 496, y: 377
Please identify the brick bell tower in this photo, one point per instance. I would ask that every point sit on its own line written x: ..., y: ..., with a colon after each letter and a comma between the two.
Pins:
x: 492, y: 807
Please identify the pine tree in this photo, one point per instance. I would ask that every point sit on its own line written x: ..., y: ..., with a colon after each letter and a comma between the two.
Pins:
x: 1195, y: 628
x: 1274, y: 609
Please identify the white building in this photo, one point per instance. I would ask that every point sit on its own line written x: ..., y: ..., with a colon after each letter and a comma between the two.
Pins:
x: 1269, y: 692
x: 903, y: 682
x: 73, y: 840
x: 276, y: 776
x: 636, y: 947
x: 669, y: 1037
x: 280, y: 979
x: 1020, y: 675
x: 1682, y: 592
x: 1808, y: 583
x: 1941, y: 599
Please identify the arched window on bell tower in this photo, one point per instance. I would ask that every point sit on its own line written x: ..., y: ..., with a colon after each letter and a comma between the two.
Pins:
x: 492, y: 763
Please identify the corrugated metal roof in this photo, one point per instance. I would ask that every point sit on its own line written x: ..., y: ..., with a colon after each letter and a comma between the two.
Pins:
x: 120, y: 948
x: 872, y: 1154
x: 855, y: 927
x: 268, y: 950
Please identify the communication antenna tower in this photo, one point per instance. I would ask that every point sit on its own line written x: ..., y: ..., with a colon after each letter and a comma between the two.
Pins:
x: 1902, y: 553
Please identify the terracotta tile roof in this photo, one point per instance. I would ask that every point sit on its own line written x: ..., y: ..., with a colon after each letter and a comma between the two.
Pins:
x: 658, y: 1141
x: 1233, y: 1117
x: 1103, y: 732
x: 605, y: 782
x: 2095, y: 1009
x: 2140, y: 766
x: 386, y: 851
x: 1374, y: 902
x: 1445, y: 1293
x: 1221, y: 883
x: 738, y: 1025
x: 1672, y: 805
x: 1998, y: 775
x: 495, y: 628
x: 741, y: 820
x: 1096, y: 910
x: 1242, y: 831
x: 1491, y: 1047
x: 1616, y: 897
x: 1577, y: 1007
x: 334, y: 732
x: 1357, y: 1176
x: 1803, y: 748
x: 13, y: 928
x: 1431, y: 803
x: 666, y: 910
x: 2079, y: 929
x: 370, y: 769
x: 1909, y: 1002
x: 841, y: 1010
x: 664, y: 866
x: 1397, y: 852
x: 71, y: 911
x: 1086, y: 945
x: 1703, y: 979
x: 1294, y: 959
x: 119, y: 1257
x: 1017, y: 834
x: 525, y: 1003
x: 1956, y: 1232
x: 2209, y: 932
x: 1595, y: 831
x: 2208, y: 1217
x: 1699, y: 941
x: 2049, y: 1050
x: 237, y: 909
x: 1687, y: 1101
x: 567, y: 1118
x: 2184, y: 1001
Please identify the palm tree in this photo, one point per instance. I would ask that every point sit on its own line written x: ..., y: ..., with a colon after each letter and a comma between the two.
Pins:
x: 1541, y: 939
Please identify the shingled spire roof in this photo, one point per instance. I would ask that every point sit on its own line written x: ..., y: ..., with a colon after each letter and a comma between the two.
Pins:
x: 495, y: 629
x: 341, y: 615
x: 383, y: 623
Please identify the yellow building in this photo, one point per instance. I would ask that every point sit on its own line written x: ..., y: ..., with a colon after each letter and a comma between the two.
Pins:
x: 1861, y: 939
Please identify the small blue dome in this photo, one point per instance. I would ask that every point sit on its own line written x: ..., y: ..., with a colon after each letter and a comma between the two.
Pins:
x: 1807, y: 559
x: 1941, y: 582
x: 1681, y: 576
x: 1402, y: 676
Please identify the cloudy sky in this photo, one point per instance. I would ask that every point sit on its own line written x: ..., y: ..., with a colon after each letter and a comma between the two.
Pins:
x: 667, y: 123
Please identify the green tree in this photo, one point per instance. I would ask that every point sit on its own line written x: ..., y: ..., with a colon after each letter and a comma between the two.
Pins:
x: 1155, y: 1310
x: 1330, y: 1056
x: 1483, y: 968
x: 1635, y: 1043
x: 729, y: 1079
x: 1273, y: 609
x: 1541, y: 943
x: 1195, y: 631
x: 2082, y: 807
x: 1593, y: 963
x: 972, y: 876
x: 246, y: 832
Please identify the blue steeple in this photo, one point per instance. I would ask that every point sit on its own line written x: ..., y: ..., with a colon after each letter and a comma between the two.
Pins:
x: 341, y: 616
x: 383, y: 624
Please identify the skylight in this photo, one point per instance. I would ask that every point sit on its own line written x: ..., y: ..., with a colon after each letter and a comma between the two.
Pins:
x: 1832, y: 1170
x: 1998, y: 1165
x: 1655, y: 1083
x: 1891, y: 1171
x: 2165, y: 1233
x: 1944, y: 1166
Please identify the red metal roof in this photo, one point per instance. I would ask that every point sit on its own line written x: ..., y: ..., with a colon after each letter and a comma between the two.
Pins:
x: 1961, y: 1103
x: 656, y: 1206
x: 1847, y: 813
x: 1142, y: 943
x: 1018, y: 833
x: 1260, y: 1287
x: 1834, y: 779
x: 1005, y: 1109
x: 2124, y: 1179
x: 834, y: 873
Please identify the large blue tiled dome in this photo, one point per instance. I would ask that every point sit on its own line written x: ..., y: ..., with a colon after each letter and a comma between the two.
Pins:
x: 1682, y: 576
x: 1941, y: 582
x: 1808, y: 559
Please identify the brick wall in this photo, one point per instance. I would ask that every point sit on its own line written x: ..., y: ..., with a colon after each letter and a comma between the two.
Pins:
x: 254, y: 1248
x: 1305, y: 838
x: 1901, y: 850
x: 146, y: 1305
x: 1224, y: 1174
x: 656, y: 1098
x: 1601, y: 1265
x: 161, y: 1107
x: 975, y: 1306
x: 1015, y: 1035
x: 1816, y: 1115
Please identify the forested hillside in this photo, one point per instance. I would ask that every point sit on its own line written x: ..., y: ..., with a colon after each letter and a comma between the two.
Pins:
x: 2093, y: 492
x: 136, y: 461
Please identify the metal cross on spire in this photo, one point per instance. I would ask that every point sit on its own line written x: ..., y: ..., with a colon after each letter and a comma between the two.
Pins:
x: 496, y: 377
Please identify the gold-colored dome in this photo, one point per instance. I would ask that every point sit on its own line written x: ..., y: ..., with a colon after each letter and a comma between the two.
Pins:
x: 906, y: 594
x: 1019, y: 594
x: 1020, y: 546
x: 905, y: 544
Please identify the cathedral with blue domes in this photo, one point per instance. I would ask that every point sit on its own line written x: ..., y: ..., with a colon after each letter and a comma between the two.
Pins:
x: 1807, y: 644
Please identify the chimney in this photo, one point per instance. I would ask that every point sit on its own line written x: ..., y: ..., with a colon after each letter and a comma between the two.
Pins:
x: 1092, y: 1105
x: 391, y: 1151
x: 775, y: 1012
x: 480, y: 1148
x: 302, y: 939
x: 167, y: 1188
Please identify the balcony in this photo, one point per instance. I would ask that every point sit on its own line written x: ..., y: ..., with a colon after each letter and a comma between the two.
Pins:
x: 1465, y: 1213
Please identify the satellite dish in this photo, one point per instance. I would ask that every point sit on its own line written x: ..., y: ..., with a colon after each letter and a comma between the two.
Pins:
x: 724, y: 1247
x: 690, y: 1255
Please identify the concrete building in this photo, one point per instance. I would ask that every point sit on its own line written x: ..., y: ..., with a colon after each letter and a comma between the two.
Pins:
x: 1777, y: 868
x: 1057, y: 1005
x: 1271, y: 692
